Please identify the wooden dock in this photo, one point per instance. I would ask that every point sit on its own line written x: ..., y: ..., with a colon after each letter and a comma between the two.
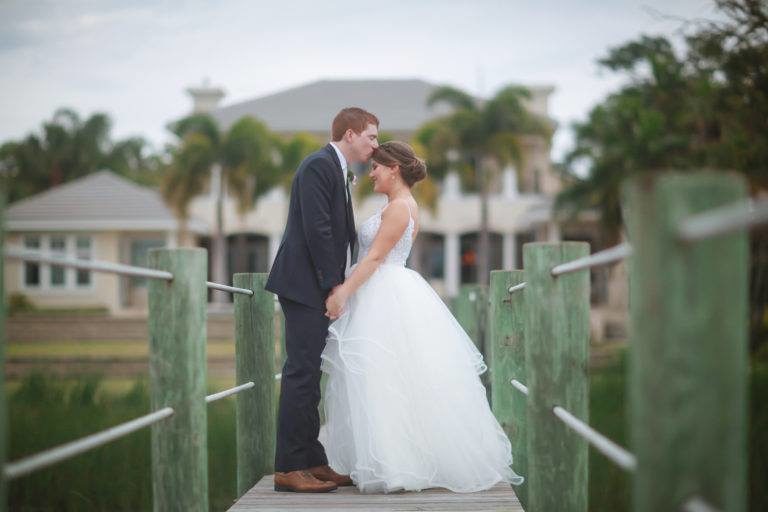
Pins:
x: 263, y: 498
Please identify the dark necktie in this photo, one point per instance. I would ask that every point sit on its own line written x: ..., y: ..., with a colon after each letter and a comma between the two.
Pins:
x: 351, y: 227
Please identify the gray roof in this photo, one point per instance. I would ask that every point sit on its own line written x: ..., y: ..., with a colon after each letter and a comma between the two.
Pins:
x: 400, y: 105
x: 98, y: 201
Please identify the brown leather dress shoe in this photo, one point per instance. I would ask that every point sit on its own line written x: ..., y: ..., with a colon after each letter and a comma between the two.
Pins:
x: 301, y: 481
x: 327, y: 474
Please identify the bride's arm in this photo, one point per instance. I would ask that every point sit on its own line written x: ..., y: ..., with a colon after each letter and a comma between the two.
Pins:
x: 394, y: 222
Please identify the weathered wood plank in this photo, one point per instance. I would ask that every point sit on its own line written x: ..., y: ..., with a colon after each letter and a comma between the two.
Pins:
x: 557, y: 343
x: 470, y: 307
x: 178, y: 379
x: 3, y: 406
x: 506, y: 358
x: 688, y: 365
x: 262, y: 498
x: 254, y: 356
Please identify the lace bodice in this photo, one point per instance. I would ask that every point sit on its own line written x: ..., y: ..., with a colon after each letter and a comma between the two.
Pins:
x: 399, y: 253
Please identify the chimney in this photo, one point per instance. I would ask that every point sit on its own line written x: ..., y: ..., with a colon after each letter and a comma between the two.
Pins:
x: 205, y: 98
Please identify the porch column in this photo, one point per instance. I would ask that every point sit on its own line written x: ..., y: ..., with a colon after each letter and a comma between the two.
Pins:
x: 452, y: 270
x: 508, y: 252
x: 171, y: 240
x: 274, y: 245
x: 553, y: 231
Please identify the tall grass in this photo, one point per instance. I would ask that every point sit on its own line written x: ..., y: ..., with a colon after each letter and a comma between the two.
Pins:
x: 610, y: 487
x: 45, y: 412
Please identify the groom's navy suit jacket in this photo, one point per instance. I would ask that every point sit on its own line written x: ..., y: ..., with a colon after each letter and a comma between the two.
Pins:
x: 313, y: 252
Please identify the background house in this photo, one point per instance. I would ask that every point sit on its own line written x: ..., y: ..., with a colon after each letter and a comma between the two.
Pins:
x: 445, y: 251
x: 520, y: 208
x: 99, y: 216
x: 108, y: 217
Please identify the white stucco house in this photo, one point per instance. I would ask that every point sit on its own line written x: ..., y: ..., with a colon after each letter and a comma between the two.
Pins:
x: 99, y: 216
x: 106, y: 217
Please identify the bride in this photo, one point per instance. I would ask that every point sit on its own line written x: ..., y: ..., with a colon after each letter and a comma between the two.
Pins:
x: 404, y: 405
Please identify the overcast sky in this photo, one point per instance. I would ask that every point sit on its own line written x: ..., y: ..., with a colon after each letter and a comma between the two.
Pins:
x: 133, y: 59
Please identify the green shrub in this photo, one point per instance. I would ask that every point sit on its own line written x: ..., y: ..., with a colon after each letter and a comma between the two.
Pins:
x: 18, y: 303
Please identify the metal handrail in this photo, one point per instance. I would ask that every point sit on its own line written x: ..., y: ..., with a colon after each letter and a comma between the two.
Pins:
x: 605, y: 257
x: 228, y: 392
x: 726, y: 219
x: 620, y: 456
x: 610, y: 449
x: 226, y: 288
x: 48, y: 457
x: 520, y: 386
x: 697, y: 504
x: 600, y: 258
x: 106, y: 266
x: 95, y: 265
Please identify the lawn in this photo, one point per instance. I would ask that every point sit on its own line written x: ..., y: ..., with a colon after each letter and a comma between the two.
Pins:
x: 99, y: 349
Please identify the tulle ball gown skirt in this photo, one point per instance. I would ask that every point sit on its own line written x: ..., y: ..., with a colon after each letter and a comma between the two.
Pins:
x: 404, y: 405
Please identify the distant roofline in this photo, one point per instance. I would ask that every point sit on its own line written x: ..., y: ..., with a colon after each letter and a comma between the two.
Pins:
x: 165, y: 220
x: 548, y: 88
x: 70, y: 183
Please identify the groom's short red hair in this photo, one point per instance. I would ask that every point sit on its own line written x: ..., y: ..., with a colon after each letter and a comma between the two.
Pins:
x: 351, y: 118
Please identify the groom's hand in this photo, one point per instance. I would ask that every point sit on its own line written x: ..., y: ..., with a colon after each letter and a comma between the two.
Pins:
x: 334, y: 304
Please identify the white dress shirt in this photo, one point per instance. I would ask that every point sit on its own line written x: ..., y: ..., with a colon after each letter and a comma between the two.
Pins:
x: 343, y: 162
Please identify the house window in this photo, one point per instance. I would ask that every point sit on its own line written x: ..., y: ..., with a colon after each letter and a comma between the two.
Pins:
x: 58, y: 247
x: 83, y: 252
x: 47, y: 276
x: 32, y: 269
x: 432, y: 255
x: 140, y: 256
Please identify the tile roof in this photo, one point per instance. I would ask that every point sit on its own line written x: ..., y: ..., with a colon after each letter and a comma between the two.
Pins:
x: 400, y: 105
x: 101, y: 200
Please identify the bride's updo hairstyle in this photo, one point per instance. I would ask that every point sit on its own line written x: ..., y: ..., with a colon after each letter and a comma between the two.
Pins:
x: 412, y: 168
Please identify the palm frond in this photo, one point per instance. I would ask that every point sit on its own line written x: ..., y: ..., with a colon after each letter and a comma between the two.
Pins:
x: 451, y: 96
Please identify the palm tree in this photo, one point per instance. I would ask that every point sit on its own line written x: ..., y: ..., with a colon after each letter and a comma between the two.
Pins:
x: 69, y: 147
x: 292, y: 151
x: 240, y: 161
x: 486, y: 135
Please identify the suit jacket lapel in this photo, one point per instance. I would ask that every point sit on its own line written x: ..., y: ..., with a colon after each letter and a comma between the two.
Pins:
x: 351, y: 233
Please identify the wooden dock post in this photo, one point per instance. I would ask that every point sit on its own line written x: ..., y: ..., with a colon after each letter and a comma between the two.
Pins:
x: 470, y: 309
x: 506, y: 358
x: 688, y: 365
x: 255, y: 361
x: 3, y: 405
x: 177, y: 370
x: 556, y: 355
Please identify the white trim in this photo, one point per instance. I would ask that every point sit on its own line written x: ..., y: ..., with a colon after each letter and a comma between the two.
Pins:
x: 196, y: 227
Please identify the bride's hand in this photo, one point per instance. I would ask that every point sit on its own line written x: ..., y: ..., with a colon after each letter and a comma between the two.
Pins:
x: 335, y: 302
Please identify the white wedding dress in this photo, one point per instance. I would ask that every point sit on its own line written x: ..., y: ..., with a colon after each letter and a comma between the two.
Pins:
x: 404, y: 405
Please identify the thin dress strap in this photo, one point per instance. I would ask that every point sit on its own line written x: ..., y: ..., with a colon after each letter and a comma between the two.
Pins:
x: 410, y: 214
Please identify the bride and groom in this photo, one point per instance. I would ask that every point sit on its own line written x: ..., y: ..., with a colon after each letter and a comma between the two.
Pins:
x: 404, y: 406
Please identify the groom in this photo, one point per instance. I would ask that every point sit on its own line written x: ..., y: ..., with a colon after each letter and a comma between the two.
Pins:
x: 317, y: 245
